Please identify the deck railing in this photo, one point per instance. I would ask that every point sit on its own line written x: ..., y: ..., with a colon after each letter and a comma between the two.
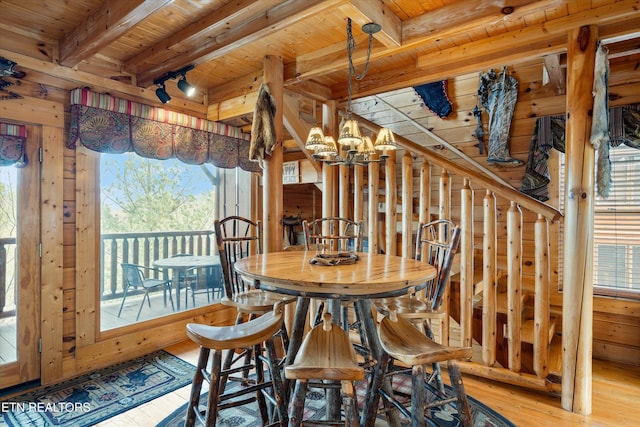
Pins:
x: 143, y: 249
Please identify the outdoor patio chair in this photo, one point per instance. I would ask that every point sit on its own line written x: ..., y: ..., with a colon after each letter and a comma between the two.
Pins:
x: 135, y: 278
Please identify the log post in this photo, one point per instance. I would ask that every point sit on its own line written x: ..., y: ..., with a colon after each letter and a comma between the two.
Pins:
x: 489, y: 290
x: 444, y: 212
x: 425, y: 191
x: 358, y: 193
x: 272, y: 204
x: 407, y: 204
x: 466, y: 264
x: 343, y: 193
x: 577, y: 295
x: 514, y: 285
x: 541, y: 308
x: 329, y: 111
x: 372, y: 229
x: 391, y: 202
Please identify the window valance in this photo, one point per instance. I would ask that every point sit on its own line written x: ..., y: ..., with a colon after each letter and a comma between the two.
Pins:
x: 108, y: 124
x: 13, y: 140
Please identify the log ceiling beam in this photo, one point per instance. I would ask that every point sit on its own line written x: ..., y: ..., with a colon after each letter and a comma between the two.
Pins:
x: 297, y: 128
x: 506, y: 49
x: 105, y: 25
x: 446, y: 21
x: 555, y: 74
x: 218, y: 43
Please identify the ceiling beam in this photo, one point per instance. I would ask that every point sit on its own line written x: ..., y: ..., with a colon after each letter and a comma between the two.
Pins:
x: 447, y: 21
x: 555, y: 74
x: 297, y: 128
x: 216, y: 45
x: 105, y: 25
x: 366, y: 11
x: 232, y: 14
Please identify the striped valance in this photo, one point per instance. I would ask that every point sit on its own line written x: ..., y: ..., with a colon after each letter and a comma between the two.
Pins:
x: 13, y: 140
x: 108, y: 124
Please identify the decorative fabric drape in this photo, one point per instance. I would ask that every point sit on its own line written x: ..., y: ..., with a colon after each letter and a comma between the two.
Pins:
x: 107, y: 124
x: 624, y: 128
x: 13, y: 139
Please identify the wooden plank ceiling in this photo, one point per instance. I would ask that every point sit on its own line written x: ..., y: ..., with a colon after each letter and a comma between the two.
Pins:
x: 121, y: 46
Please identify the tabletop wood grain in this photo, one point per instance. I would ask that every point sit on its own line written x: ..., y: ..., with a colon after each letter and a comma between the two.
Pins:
x: 374, y: 275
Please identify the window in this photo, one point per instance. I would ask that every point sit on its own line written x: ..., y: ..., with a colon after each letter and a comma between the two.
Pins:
x: 616, y: 245
x: 153, y: 209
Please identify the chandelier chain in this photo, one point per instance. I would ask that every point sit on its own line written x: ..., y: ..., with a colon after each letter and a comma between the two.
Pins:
x: 351, y: 46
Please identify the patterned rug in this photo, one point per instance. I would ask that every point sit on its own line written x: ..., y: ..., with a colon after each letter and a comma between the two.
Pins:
x: 91, y: 398
x: 248, y: 415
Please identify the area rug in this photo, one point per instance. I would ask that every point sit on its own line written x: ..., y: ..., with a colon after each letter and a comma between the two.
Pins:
x: 248, y: 415
x: 91, y: 398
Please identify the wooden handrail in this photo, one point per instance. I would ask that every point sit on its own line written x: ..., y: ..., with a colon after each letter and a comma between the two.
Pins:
x: 501, y: 190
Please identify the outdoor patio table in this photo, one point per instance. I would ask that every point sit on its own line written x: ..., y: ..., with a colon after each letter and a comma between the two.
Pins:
x: 372, y: 276
x: 181, y: 264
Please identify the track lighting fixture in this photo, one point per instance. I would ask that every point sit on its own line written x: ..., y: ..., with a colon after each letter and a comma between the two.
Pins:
x: 183, y: 84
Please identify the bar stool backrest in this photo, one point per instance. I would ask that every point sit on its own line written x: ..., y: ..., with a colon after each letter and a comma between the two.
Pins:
x: 236, y: 238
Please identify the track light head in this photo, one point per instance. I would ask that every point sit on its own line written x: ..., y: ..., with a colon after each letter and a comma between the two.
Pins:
x: 185, y: 87
x: 162, y: 94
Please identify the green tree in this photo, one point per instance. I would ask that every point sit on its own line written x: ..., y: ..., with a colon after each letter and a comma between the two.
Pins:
x: 8, y: 202
x: 155, y: 195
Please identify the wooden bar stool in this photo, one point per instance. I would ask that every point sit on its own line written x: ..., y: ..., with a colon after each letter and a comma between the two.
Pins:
x: 405, y: 343
x: 220, y: 338
x: 326, y: 354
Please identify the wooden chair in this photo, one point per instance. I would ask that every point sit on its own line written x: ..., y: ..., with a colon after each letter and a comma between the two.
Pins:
x: 333, y: 234
x: 134, y: 277
x: 436, y: 243
x: 405, y: 343
x: 336, y: 235
x: 326, y: 354
x: 238, y: 238
x: 226, y: 338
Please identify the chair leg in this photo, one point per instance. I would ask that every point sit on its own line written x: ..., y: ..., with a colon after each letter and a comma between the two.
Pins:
x: 194, y: 398
x: 278, y: 385
x: 146, y: 295
x: 418, y: 396
x: 351, y: 418
x: 296, y: 411
x: 214, y: 389
x: 462, y: 404
x: 124, y: 297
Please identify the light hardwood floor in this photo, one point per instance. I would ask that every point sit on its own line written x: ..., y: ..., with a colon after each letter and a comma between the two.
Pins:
x: 616, y: 390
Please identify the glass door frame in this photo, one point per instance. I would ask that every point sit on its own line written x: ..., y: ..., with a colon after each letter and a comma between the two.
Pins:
x: 27, y: 366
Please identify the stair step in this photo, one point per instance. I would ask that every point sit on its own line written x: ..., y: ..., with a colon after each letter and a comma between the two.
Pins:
x: 478, y: 280
x: 502, y: 302
x: 528, y: 328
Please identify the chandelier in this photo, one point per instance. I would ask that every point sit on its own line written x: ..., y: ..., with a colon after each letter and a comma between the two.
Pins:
x: 352, y: 148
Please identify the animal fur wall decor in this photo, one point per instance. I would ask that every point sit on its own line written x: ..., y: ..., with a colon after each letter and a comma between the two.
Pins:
x: 263, y: 130
x: 600, y: 124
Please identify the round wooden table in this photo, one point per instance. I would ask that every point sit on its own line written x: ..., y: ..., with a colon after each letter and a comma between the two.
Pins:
x: 372, y: 276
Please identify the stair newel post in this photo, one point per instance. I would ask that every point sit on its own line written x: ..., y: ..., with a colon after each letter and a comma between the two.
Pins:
x: 541, y: 314
x: 444, y: 212
x: 407, y: 204
x: 425, y: 191
x: 374, y: 186
x: 489, y: 291
x: 466, y: 264
x: 391, y: 202
x: 514, y: 285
